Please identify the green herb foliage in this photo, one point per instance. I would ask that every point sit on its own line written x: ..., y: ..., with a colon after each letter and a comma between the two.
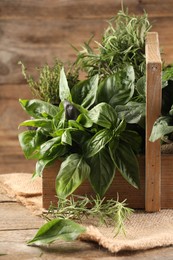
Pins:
x: 83, y: 140
x: 81, y: 208
x: 123, y: 42
x: 46, y: 87
x: 63, y: 229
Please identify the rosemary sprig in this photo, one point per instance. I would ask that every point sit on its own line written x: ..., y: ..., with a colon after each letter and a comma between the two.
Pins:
x: 106, y: 212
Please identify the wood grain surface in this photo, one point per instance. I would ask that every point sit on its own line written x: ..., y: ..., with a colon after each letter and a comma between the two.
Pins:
x: 36, y: 32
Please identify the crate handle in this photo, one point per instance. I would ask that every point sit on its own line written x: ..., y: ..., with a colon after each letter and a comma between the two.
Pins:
x: 153, y: 111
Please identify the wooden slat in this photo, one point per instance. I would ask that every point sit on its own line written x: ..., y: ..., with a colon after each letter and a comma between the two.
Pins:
x: 37, y: 32
x: 80, y: 9
x: 153, y: 108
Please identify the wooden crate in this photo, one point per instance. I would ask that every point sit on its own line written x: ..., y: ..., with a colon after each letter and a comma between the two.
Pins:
x: 156, y: 171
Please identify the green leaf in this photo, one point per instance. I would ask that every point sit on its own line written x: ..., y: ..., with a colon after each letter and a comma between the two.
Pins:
x: 126, y: 162
x: 46, y: 148
x: 44, y: 123
x: 162, y: 126
x: 66, y: 137
x: 63, y: 229
x: 117, y: 89
x: 132, y: 138
x: 64, y: 91
x: 132, y: 112
x: 98, y: 142
x: 84, y: 120
x: 74, y: 170
x: 141, y: 86
x: 102, y: 171
x: 104, y: 115
x: 41, y: 164
x: 84, y: 93
x: 38, y: 108
x: 30, y: 142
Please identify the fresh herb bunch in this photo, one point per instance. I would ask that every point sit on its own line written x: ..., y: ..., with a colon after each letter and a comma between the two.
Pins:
x: 123, y: 43
x: 46, y: 87
x: 90, y: 138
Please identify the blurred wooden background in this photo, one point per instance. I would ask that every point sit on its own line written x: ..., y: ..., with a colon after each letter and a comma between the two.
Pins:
x: 37, y: 31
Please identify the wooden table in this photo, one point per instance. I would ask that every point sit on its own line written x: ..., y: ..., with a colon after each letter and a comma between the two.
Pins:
x: 18, y: 225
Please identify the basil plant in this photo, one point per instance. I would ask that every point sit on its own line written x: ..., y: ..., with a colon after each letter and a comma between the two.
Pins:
x: 85, y: 133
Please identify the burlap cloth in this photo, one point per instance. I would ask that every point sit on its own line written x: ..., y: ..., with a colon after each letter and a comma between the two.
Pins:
x: 143, y: 230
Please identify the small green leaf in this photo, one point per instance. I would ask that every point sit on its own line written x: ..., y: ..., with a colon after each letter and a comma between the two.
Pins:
x: 117, y: 89
x: 98, y: 142
x: 74, y: 170
x: 132, y: 112
x: 41, y: 164
x: 38, y: 108
x: 84, y: 120
x: 64, y: 91
x: 104, y: 115
x: 162, y: 126
x: 84, y: 93
x: 44, y: 123
x: 57, y: 229
x: 30, y: 142
x: 126, y: 162
x: 66, y: 137
x: 102, y: 171
x: 46, y: 147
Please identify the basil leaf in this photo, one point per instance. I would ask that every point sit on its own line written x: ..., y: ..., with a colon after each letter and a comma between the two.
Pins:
x: 30, y: 142
x: 117, y: 89
x: 102, y: 171
x: 63, y: 229
x: 104, y: 115
x: 73, y: 171
x: 41, y: 164
x: 162, y: 126
x: 64, y: 91
x: 132, y: 138
x: 44, y: 123
x: 66, y: 137
x: 46, y: 148
x: 38, y: 108
x: 84, y: 93
x: 98, y: 142
x: 126, y: 162
x: 84, y: 120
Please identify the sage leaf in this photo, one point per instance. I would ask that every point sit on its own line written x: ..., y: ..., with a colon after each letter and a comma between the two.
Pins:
x: 102, y: 171
x: 73, y: 171
x: 162, y: 126
x: 132, y: 112
x: 57, y: 229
